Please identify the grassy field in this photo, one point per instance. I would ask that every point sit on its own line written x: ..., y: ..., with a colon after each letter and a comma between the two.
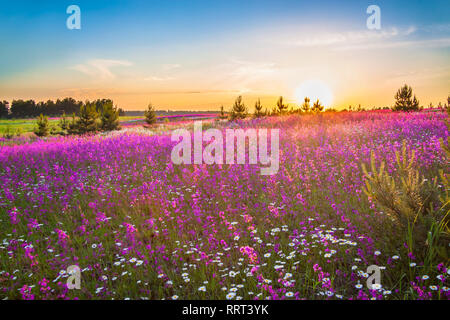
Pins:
x: 28, y: 125
x: 140, y: 227
x: 20, y: 125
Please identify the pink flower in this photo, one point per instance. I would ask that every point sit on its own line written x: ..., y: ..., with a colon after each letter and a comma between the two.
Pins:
x: 250, y: 252
x: 25, y: 291
x: 62, y: 237
x: 13, y: 216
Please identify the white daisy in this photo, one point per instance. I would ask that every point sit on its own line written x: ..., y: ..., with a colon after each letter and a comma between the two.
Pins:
x: 230, y: 296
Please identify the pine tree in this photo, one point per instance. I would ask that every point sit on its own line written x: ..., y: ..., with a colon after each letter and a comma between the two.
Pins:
x: 3, y: 109
x: 43, y: 128
x: 274, y: 111
x: 281, y: 107
x: 415, y: 103
x: 222, y: 113
x: 404, y: 100
x: 63, y: 124
x: 87, y: 122
x: 258, y: 109
x: 150, y: 115
x: 109, y: 117
x: 8, y: 133
x: 239, y: 111
x: 306, y: 107
x: 73, y: 126
x: 317, y: 107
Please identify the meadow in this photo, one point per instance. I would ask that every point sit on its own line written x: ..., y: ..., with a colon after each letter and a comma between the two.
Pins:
x: 20, y: 126
x: 140, y: 227
x: 23, y: 126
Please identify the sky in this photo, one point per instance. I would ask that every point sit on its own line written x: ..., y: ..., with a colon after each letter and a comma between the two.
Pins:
x: 199, y: 55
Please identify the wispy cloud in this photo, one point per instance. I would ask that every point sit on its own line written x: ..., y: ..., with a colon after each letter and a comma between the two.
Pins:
x: 101, y: 92
x: 347, y: 38
x: 156, y: 78
x: 100, y: 68
x: 342, y: 38
x: 418, y: 76
x: 372, y: 39
x: 429, y: 43
x: 243, y: 75
x: 437, y: 28
x: 251, y: 69
x: 168, y: 67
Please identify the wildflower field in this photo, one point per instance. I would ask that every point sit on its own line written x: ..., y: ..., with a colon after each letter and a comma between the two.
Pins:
x: 140, y: 227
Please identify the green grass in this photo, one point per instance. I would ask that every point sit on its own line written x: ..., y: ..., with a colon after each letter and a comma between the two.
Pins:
x: 21, y: 125
x: 28, y: 125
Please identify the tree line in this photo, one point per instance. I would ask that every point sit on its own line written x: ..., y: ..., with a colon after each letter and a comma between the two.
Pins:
x: 88, y: 121
x: 20, y: 109
x: 240, y: 111
x: 404, y: 101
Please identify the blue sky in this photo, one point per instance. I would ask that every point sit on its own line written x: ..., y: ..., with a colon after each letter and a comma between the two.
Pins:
x: 204, y: 53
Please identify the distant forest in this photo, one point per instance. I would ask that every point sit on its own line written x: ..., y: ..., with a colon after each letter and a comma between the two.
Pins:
x: 20, y: 109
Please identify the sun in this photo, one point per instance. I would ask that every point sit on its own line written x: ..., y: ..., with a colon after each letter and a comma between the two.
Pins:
x: 314, y: 89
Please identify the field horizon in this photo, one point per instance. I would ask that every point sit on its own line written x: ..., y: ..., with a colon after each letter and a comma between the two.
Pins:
x: 128, y: 215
